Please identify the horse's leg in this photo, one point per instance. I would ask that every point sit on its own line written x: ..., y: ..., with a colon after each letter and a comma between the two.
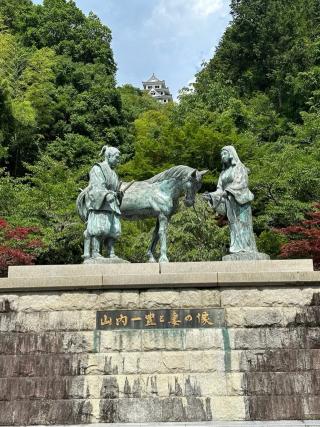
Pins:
x: 163, y: 225
x: 154, y: 241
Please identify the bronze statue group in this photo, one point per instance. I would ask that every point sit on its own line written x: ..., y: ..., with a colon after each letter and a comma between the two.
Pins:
x: 106, y: 200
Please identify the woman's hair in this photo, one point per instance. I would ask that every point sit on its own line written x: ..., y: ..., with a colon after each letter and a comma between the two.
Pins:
x: 234, y: 156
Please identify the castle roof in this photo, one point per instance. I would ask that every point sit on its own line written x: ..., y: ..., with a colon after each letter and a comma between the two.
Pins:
x: 157, y: 89
x: 153, y: 79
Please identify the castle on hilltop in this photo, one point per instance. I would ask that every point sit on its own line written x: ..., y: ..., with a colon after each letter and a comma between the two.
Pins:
x: 158, y: 89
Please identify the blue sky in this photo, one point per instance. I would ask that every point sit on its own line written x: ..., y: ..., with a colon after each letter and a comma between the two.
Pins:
x: 168, y: 37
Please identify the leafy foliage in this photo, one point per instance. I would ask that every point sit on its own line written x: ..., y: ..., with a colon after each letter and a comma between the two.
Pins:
x: 59, y: 104
x: 193, y: 235
x: 57, y: 84
x: 18, y: 245
x: 304, y: 238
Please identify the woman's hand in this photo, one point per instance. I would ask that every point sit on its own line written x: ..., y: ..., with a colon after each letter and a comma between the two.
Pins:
x: 206, y: 196
x: 110, y: 196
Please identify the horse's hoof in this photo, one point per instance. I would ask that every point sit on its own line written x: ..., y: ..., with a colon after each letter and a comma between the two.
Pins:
x: 152, y: 260
x: 163, y: 259
x: 97, y: 256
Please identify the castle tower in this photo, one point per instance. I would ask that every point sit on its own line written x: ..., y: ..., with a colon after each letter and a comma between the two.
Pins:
x: 158, y: 89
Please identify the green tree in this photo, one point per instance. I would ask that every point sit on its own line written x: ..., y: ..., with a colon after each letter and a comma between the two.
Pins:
x: 266, y: 46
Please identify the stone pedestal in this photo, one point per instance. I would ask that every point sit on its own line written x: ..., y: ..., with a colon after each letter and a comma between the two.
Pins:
x: 102, y: 260
x: 74, y: 352
x: 246, y: 256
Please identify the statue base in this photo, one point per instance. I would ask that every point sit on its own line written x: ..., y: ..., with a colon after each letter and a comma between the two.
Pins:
x: 246, y: 256
x: 102, y: 260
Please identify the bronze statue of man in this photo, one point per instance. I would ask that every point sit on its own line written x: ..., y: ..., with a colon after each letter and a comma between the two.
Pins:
x: 99, y: 205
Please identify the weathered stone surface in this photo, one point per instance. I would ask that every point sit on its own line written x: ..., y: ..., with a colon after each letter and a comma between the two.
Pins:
x: 275, y: 407
x: 206, y: 339
x: 235, y: 383
x: 210, y: 298
x: 49, y: 342
x: 49, y: 388
x: 278, y: 383
x: 130, y: 299
x: 120, y: 340
x: 32, y: 412
x: 70, y: 270
x: 159, y: 299
x: 41, y: 365
x: 264, y: 363
x: 50, y: 283
x: 260, y: 316
x: 268, y: 338
x: 238, y: 266
x: 228, y: 408
x: 56, y: 302
x: 182, y: 339
x: 152, y: 281
x: 191, y: 298
x: 163, y: 340
x: 280, y: 297
x: 311, y: 405
x: 8, y: 303
x: 282, y: 360
x: 48, y: 321
x: 173, y: 409
x: 108, y: 300
x: 267, y: 279
x: 133, y: 386
x: 246, y: 256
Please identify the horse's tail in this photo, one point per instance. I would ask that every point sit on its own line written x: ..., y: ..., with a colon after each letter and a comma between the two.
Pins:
x: 82, y: 205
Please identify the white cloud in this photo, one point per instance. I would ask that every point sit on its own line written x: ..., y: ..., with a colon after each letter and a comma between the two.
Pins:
x: 182, y: 13
x: 180, y: 8
x: 206, y: 7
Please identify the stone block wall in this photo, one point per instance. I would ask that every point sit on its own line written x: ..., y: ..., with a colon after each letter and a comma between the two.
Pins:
x: 57, y: 368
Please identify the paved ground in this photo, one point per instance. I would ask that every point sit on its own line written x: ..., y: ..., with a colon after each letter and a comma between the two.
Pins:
x: 212, y: 424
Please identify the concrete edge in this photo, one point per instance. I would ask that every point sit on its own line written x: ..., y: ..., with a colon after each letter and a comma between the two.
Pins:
x: 292, y: 423
x: 208, y: 267
x: 160, y: 281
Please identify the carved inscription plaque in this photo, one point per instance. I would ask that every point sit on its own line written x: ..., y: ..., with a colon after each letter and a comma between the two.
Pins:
x: 161, y: 319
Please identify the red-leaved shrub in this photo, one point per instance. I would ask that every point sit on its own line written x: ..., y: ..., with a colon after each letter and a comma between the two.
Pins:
x: 18, y: 245
x: 304, y: 238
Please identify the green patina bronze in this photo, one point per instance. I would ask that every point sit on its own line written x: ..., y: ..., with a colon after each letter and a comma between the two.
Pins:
x: 232, y: 199
x: 106, y: 199
x: 99, y: 206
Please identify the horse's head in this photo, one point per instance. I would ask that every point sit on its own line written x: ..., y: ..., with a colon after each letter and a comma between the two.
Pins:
x: 192, y: 186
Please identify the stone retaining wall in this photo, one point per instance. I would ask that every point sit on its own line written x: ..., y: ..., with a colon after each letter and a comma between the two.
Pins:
x: 262, y: 364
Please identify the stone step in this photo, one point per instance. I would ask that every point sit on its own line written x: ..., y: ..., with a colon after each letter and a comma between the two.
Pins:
x: 294, y: 265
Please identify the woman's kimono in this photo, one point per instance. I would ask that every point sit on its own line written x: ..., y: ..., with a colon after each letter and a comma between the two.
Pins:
x: 236, y: 206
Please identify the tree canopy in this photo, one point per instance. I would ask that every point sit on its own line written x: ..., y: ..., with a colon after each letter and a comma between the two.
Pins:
x: 59, y: 104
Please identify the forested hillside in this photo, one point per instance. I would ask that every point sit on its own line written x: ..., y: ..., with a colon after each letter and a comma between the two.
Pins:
x: 59, y: 105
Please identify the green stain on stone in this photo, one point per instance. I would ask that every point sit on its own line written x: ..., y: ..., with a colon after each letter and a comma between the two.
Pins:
x: 96, y: 341
x: 227, y: 349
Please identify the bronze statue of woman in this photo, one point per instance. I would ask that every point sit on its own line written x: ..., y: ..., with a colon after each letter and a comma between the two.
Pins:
x: 232, y: 198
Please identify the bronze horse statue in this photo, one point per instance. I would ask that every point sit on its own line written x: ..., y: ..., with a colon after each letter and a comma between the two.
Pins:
x: 157, y: 197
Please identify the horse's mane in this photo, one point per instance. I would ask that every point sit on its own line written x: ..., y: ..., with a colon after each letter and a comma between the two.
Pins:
x: 176, y: 172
